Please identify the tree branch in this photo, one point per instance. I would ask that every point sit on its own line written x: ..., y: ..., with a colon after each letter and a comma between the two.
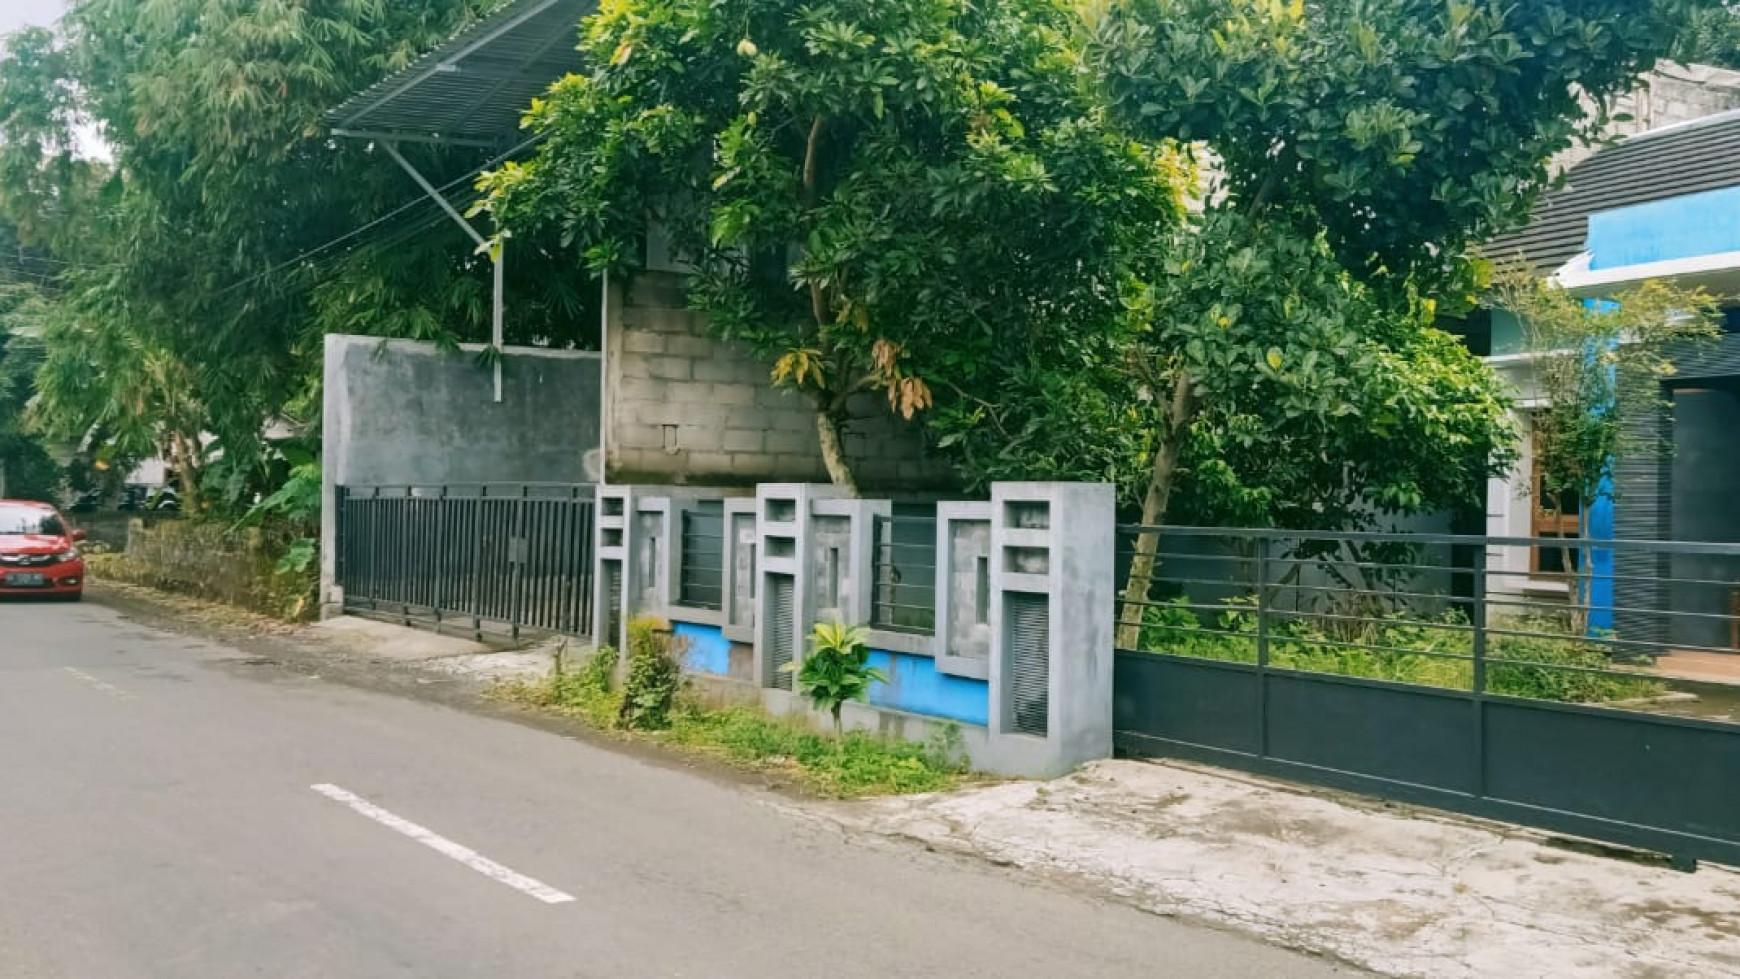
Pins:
x: 818, y: 296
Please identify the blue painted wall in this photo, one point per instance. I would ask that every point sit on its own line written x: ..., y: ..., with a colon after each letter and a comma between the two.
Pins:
x: 709, y: 650
x: 915, y: 686
x: 1679, y: 227
x: 1601, y: 563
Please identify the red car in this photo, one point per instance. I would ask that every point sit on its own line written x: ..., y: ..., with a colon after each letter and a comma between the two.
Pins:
x: 39, y: 552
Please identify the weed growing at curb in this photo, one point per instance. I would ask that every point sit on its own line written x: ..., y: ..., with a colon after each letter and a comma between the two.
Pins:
x: 854, y: 766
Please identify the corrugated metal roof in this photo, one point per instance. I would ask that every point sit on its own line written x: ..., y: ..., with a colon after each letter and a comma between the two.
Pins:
x: 475, y: 87
x: 1688, y: 158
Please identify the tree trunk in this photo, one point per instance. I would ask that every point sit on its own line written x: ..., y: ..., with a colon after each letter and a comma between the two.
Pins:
x: 839, y: 725
x: 834, y: 452
x: 1154, y: 505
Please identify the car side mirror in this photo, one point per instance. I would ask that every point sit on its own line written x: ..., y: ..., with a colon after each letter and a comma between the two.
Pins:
x: 78, y: 536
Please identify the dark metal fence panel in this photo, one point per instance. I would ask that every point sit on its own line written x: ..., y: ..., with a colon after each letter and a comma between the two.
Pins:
x: 904, y: 597
x: 1429, y: 669
x: 492, y: 556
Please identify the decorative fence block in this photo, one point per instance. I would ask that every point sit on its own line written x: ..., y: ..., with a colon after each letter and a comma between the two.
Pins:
x: 984, y: 614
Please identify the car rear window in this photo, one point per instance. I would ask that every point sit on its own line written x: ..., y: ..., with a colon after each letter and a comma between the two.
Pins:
x: 30, y: 520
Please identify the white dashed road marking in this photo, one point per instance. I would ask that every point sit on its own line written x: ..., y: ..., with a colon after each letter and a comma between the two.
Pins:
x: 446, y: 847
x: 103, y: 685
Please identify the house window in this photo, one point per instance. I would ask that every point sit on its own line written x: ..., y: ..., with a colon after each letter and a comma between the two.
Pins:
x: 1553, y: 517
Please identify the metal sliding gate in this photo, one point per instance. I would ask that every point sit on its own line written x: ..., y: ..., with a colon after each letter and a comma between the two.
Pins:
x: 1358, y: 662
x: 479, y: 557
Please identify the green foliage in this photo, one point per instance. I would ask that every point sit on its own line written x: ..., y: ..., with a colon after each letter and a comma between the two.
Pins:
x: 901, y: 198
x: 856, y: 765
x: 195, y: 274
x: 26, y: 469
x: 1281, y: 364
x: 295, y: 509
x: 1401, y: 131
x: 837, y: 668
x: 655, y: 675
x: 1712, y: 38
x: 1546, y: 663
x: 587, y: 693
x: 215, y: 561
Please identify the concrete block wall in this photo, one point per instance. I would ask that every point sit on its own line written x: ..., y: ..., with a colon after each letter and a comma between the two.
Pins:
x: 1671, y: 94
x: 685, y: 408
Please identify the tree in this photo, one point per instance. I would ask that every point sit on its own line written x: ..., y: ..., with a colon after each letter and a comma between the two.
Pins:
x: 1360, y: 150
x: 1712, y: 38
x: 887, y: 197
x: 26, y: 469
x: 1597, y: 366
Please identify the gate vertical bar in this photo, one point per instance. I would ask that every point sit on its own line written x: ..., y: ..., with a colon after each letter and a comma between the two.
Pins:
x: 1263, y: 646
x: 1478, y: 686
x: 443, y: 562
x: 340, y: 541
x: 479, y: 572
x: 518, y: 546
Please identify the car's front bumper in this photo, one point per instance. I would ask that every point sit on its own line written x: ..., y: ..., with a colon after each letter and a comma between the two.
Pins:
x: 66, y: 578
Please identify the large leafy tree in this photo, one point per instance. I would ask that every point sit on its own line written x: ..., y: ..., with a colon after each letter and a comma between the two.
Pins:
x: 1360, y: 149
x: 898, y: 198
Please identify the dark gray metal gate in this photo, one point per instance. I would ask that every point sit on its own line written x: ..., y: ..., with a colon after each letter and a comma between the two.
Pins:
x: 479, y: 557
x: 1293, y: 663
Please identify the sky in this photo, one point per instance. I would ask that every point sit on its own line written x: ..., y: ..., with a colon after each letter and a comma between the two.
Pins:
x: 24, y: 13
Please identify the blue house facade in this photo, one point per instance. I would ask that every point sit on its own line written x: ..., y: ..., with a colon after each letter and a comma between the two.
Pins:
x: 1664, y: 206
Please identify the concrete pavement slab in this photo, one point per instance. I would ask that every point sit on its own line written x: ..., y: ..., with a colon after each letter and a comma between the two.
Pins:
x: 1400, y: 891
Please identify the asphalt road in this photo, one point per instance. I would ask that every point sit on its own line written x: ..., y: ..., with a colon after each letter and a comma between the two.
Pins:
x: 159, y: 817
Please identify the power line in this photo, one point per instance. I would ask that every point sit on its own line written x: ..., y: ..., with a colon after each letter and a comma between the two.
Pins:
x: 422, y: 201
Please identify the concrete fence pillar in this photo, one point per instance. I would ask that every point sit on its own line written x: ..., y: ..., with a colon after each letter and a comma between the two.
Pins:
x: 787, y: 596
x: 1052, y: 597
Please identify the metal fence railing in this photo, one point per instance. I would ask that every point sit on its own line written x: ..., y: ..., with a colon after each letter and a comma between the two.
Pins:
x: 478, y: 556
x: 1596, y: 697
x: 1624, y: 621
x: 701, y: 579
x: 904, y: 596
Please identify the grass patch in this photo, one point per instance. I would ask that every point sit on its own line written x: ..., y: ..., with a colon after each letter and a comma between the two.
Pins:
x: 849, y: 767
x: 855, y: 766
x: 1429, y: 653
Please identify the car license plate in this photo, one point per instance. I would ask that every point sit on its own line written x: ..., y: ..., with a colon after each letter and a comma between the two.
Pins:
x: 26, y: 580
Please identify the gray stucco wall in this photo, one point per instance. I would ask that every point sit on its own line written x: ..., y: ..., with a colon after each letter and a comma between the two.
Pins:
x: 400, y: 413
x: 406, y: 413
x: 687, y: 409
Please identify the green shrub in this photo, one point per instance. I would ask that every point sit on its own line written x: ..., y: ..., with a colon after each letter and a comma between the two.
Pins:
x: 856, y: 765
x: 852, y: 766
x: 655, y: 673
x: 837, y: 669
x: 586, y: 693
